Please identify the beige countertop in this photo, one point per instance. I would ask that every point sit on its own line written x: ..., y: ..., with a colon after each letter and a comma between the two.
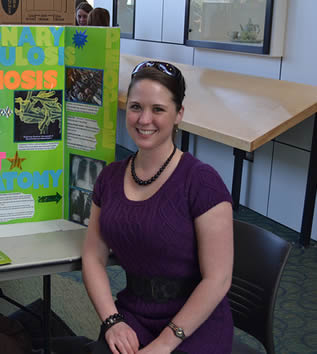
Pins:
x: 43, y: 253
x: 238, y: 110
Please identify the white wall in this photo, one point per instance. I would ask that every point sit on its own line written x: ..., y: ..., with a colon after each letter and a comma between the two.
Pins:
x: 299, y: 62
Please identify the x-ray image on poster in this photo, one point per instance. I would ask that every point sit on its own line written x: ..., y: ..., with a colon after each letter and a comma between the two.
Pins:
x: 84, y: 171
x: 83, y: 175
x: 79, y: 205
x: 38, y: 115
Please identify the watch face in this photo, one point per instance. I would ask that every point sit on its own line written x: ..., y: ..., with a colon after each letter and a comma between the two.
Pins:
x: 180, y: 333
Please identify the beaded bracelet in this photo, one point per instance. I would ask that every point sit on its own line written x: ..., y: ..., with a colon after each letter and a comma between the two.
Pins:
x: 110, y: 321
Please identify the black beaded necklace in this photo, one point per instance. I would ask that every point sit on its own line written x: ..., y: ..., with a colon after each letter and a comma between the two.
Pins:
x: 141, y: 182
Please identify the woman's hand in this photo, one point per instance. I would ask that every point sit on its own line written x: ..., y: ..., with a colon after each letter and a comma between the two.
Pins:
x: 122, y: 339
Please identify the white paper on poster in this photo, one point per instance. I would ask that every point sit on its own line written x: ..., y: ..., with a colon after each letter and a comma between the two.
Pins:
x: 37, y: 147
x: 82, y: 108
x: 14, y: 206
x: 81, y: 133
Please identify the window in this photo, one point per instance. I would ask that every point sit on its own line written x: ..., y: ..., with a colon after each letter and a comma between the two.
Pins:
x: 124, y: 17
x: 239, y: 25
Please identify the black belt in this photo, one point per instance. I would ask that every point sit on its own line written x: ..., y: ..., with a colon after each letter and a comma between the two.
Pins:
x: 160, y: 289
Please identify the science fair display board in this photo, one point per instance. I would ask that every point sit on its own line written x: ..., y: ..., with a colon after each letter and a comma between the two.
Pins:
x: 58, y: 107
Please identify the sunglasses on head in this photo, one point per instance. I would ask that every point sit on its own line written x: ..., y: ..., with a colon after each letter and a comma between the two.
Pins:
x: 165, y: 68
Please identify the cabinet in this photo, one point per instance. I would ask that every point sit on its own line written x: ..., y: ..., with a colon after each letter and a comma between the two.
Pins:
x: 288, y: 183
x: 148, y: 20
x: 160, y: 20
x: 173, y: 21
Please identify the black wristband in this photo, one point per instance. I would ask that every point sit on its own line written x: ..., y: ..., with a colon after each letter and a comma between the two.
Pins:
x: 110, y: 321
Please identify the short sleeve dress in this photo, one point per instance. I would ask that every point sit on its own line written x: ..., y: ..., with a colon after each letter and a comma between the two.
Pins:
x: 156, y: 237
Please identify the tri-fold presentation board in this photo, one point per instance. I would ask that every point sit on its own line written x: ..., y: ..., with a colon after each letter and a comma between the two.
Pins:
x: 58, y: 108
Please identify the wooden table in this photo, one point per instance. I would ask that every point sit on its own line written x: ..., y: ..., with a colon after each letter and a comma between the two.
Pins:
x: 244, y: 112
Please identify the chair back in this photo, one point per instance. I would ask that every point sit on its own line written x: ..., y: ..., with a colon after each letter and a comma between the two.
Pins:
x: 259, y: 260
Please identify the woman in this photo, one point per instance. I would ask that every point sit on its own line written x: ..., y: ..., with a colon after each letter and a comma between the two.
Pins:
x: 82, y: 11
x: 168, y: 218
x: 99, y: 17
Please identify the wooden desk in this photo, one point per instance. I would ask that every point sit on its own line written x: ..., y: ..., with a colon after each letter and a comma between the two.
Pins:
x: 244, y: 112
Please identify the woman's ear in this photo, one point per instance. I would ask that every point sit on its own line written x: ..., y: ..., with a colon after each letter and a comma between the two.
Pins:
x: 180, y: 115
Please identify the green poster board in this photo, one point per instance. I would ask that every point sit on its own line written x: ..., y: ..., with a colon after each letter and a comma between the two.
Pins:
x: 58, y: 104
x: 91, y: 96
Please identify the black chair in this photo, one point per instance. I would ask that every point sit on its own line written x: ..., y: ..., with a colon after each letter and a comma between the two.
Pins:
x: 259, y: 260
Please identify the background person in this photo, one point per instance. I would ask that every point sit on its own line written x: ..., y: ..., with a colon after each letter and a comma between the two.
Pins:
x: 82, y: 11
x: 77, y: 2
x: 168, y: 218
x: 99, y: 17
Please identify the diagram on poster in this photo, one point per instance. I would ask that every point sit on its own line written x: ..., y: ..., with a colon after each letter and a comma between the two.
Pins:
x: 57, y: 112
x: 38, y: 115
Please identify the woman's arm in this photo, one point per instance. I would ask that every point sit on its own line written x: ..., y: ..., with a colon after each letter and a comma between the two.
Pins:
x: 94, y: 259
x: 214, y: 231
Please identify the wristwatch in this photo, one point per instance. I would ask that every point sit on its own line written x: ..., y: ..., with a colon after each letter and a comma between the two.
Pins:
x: 178, y: 331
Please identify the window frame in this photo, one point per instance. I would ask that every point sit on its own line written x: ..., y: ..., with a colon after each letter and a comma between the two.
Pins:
x: 234, y: 47
x: 115, y: 20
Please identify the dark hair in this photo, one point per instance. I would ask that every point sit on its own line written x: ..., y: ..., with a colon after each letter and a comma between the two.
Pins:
x: 84, y: 6
x: 176, y: 85
x: 98, y: 17
x: 77, y: 2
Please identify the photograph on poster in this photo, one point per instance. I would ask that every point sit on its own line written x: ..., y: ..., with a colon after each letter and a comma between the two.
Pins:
x: 84, y: 171
x: 79, y: 206
x: 83, y: 175
x: 38, y: 115
x: 84, y: 85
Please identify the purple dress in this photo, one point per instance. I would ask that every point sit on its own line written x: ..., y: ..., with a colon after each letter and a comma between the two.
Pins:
x: 156, y: 237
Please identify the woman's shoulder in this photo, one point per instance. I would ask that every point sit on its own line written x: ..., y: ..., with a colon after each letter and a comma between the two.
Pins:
x: 194, y: 166
x: 204, y: 186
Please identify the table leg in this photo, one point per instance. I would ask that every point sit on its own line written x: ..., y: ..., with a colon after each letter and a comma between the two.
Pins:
x: 239, y: 156
x: 310, y: 194
x: 47, y: 313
